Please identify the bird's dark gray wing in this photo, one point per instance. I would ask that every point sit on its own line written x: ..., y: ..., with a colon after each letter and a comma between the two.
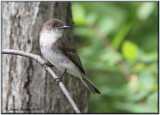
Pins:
x: 66, y: 47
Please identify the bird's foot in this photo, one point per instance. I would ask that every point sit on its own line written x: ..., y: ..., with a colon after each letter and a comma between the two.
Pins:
x: 45, y: 64
x: 58, y: 80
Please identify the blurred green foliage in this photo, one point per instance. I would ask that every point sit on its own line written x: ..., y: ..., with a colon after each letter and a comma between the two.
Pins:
x: 132, y: 29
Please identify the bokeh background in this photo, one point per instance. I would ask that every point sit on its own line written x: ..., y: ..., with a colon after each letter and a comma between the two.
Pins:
x: 118, y: 46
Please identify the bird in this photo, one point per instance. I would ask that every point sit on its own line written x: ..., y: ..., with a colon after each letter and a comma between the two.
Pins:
x: 61, y: 53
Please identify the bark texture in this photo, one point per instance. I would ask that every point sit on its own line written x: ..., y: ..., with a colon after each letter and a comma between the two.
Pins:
x: 26, y: 86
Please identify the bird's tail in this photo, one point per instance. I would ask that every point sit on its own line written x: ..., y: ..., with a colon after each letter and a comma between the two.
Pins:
x: 90, y: 86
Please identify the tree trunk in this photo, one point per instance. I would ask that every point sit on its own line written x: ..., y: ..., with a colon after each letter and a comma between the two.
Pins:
x: 27, y: 87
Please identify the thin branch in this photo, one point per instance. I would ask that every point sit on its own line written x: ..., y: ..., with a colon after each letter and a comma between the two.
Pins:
x: 38, y: 59
x: 106, y: 41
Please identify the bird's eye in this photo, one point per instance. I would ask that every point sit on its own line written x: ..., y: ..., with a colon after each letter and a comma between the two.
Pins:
x: 53, y: 25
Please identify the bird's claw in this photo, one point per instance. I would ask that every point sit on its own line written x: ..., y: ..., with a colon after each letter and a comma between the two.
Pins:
x: 45, y: 64
x: 58, y: 80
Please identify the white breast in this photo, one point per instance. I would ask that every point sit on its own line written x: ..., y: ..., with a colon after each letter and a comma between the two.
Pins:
x: 52, y: 55
x: 60, y: 61
x: 46, y: 41
x: 47, y: 38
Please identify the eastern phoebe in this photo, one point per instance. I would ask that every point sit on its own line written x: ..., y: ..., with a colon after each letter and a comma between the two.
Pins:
x: 61, y: 53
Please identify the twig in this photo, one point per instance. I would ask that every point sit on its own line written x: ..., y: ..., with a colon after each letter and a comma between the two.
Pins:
x: 41, y: 61
x: 107, y: 43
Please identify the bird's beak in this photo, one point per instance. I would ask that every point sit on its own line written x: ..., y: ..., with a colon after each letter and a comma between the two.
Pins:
x: 65, y: 27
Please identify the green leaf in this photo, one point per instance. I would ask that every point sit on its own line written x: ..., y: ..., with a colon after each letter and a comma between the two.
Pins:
x: 137, y: 96
x: 107, y: 25
x: 110, y: 57
x: 84, y: 32
x: 153, y: 99
x: 91, y: 18
x: 149, y: 57
x: 129, y: 50
x: 79, y: 17
x: 147, y: 80
x: 145, y: 10
x: 127, y: 106
x: 121, y: 35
